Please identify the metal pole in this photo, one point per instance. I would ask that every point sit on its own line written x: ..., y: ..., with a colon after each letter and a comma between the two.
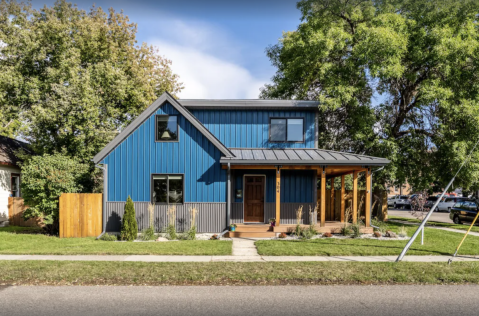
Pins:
x: 422, y: 237
x: 408, y: 245
x: 463, y: 238
x: 228, y: 198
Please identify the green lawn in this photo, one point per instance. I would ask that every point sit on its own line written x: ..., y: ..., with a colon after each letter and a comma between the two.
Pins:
x: 438, y: 224
x: 234, y: 273
x: 25, y: 243
x: 436, y: 242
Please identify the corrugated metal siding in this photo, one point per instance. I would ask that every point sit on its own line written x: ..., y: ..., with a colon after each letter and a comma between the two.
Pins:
x: 250, y: 128
x: 297, y: 186
x: 131, y: 164
x: 288, y: 212
x: 211, y: 217
x: 237, y: 215
x: 269, y: 211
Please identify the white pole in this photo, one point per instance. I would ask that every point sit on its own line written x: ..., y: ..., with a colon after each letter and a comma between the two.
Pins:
x: 422, y: 237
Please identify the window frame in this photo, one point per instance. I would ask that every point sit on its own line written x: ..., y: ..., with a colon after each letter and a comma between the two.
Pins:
x: 177, y: 129
x: 167, y: 188
x: 286, y: 132
x: 15, y: 175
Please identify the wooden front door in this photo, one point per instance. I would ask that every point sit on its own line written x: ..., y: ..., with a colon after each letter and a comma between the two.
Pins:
x: 254, y: 199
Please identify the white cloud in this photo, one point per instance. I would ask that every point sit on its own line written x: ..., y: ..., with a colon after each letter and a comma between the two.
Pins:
x: 207, y: 62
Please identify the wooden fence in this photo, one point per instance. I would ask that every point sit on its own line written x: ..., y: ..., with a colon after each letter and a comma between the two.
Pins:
x: 16, y: 207
x: 80, y: 215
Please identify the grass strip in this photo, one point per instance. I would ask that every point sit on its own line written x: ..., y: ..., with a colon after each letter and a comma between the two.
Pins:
x: 19, y: 243
x: 436, y: 242
x: 437, y: 224
x: 229, y: 273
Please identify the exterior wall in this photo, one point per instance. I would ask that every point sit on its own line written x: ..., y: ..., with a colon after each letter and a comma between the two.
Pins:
x: 211, y: 217
x: 5, y: 173
x: 250, y: 128
x: 131, y: 164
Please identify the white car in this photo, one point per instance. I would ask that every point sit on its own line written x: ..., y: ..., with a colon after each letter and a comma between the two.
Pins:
x: 398, y: 201
x: 448, y: 202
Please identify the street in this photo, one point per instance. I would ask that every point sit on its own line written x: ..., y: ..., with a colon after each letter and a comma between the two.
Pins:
x: 247, y: 300
x: 436, y: 216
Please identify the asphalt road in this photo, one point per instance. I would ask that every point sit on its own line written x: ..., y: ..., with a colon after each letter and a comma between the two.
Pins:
x: 436, y: 216
x: 247, y: 300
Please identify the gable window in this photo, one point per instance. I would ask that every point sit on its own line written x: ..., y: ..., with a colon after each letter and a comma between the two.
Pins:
x: 286, y: 130
x: 166, y: 128
x: 15, y: 185
x: 167, y: 189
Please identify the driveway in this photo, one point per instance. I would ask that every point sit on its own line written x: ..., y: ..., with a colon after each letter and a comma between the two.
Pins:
x: 436, y: 216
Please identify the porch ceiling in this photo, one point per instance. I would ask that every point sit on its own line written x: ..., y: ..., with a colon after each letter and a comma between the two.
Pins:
x: 297, y: 156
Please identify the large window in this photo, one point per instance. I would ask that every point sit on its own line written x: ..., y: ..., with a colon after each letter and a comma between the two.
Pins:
x: 286, y: 130
x: 166, y: 128
x: 167, y: 188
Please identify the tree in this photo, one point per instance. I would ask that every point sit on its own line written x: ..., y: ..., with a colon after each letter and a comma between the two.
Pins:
x: 395, y: 78
x: 129, y: 226
x: 44, y: 179
x: 75, y: 78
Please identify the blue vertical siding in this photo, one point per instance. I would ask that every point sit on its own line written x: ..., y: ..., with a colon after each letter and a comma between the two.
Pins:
x: 250, y: 128
x: 131, y: 164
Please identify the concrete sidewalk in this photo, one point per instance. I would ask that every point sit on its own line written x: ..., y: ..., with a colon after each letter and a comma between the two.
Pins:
x: 245, y: 258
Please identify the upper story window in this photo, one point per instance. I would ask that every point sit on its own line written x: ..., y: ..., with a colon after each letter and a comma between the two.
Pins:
x: 286, y: 130
x: 166, y: 128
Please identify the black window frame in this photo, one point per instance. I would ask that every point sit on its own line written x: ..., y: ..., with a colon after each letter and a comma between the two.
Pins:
x: 286, y: 132
x: 167, y: 188
x: 177, y: 129
x: 18, y: 176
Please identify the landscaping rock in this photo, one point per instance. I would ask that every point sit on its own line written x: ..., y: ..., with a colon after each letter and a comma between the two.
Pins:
x: 161, y: 239
x: 391, y: 234
x: 377, y: 234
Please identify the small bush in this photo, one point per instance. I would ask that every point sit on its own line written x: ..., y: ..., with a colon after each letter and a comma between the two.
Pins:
x: 402, y: 232
x: 356, y: 229
x: 171, y: 229
x: 282, y: 235
x: 377, y: 234
x: 147, y: 234
x: 298, y: 231
x: 381, y: 227
x: 327, y: 235
x: 108, y: 237
x: 309, y: 232
x: 346, y: 230
x: 189, y: 235
x: 129, y: 226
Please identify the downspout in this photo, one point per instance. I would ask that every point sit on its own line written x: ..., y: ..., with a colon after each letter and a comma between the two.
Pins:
x: 105, y: 195
x: 371, y: 199
x: 228, y: 198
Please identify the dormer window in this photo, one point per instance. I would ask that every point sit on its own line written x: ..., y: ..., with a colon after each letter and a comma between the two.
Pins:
x: 166, y: 128
x: 286, y: 130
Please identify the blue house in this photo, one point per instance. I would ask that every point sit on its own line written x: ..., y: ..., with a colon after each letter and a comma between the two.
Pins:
x: 236, y: 161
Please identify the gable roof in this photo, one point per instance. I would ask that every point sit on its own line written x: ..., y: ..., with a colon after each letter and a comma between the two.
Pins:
x: 8, y: 147
x: 302, y: 156
x: 165, y: 97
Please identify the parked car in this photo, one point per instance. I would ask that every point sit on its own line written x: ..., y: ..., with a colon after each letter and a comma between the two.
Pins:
x: 430, y: 201
x: 463, y: 211
x: 398, y: 201
x: 448, y: 202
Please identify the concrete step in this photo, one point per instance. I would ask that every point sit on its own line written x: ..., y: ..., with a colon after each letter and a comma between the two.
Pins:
x: 254, y: 228
x: 252, y: 234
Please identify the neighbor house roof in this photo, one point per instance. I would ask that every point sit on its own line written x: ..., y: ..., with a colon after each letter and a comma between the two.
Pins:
x: 165, y: 97
x: 8, y: 148
x: 259, y: 156
x: 250, y: 104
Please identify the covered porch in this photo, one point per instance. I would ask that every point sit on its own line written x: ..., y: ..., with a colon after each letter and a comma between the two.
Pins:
x: 274, y: 183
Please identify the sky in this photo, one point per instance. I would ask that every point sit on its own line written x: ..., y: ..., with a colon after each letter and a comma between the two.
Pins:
x: 217, y: 47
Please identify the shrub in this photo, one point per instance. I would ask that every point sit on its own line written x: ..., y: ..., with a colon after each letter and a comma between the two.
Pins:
x: 282, y: 235
x: 309, y: 232
x: 44, y: 179
x: 298, y: 231
x: 377, y: 234
x: 327, y: 235
x: 402, y: 232
x: 356, y: 229
x: 171, y: 229
x: 149, y: 233
x: 129, y: 226
x: 108, y: 237
x: 346, y: 230
x: 381, y: 227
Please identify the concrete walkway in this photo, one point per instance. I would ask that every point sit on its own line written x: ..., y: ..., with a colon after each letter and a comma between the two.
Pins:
x: 436, y: 227
x: 244, y: 247
x: 238, y: 258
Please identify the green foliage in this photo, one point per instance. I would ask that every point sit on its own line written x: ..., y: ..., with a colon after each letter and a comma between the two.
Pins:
x: 419, y: 56
x: 108, y: 237
x: 171, y: 232
x: 309, y: 232
x: 129, y: 226
x: 402, y: 232
x: 44, y: 179
x: 298, y: 231
x: 190, y: 234
x: 346, y: 230
x: 356, y: 230
x: 74, y: 77
x: 147, y: 234
x: 380, y: 226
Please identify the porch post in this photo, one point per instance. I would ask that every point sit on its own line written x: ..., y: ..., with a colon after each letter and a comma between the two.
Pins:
x: 323, y: 196
x: 343, y: 192
x: 278, y: 195
x: 355, y: 197
x: 332, y: 204
x: 368, y: 197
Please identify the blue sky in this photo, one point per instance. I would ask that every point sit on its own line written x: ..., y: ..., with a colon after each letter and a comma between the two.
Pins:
x: 217, y: 47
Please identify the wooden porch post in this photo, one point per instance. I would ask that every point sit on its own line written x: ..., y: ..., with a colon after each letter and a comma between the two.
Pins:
x: 332, y: 204
x: 323, y: 196
x: 355, y: 197
x: 278, y: 195
x: 368, y: 197
x: 343, y: 192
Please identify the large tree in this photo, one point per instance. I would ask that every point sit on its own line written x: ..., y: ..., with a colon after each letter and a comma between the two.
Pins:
x: 395, y: 78
x: 73, y: 78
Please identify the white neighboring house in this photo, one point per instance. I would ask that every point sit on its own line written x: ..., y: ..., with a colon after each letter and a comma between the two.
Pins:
x: 10, y: 176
